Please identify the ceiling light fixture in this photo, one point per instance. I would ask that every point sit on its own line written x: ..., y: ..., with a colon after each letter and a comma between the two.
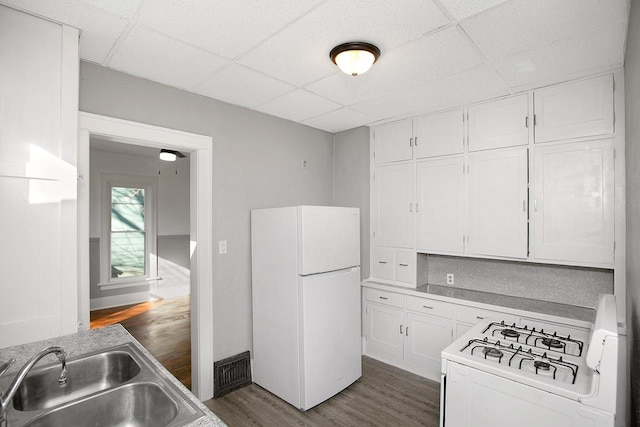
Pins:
x: 168, y: 155
x: 355, y: 58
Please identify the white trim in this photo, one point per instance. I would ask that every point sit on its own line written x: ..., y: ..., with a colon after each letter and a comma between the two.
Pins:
x: 118, y: 300
x: 150, y: 184
x: 200, y: 146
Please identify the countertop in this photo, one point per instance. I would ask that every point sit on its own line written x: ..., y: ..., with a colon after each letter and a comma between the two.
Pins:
x: 96, y: 339
x: 458, y: 295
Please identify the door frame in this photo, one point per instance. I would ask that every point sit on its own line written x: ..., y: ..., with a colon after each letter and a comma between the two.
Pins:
x: 201, y: 236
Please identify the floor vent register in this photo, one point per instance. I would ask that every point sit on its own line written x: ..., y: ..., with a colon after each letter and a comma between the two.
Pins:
x: 231, y: 373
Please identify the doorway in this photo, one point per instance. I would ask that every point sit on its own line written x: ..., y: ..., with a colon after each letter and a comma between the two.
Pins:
x: 200, y: 246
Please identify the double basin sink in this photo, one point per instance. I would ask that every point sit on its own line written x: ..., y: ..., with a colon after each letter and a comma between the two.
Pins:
x: 118, y: 386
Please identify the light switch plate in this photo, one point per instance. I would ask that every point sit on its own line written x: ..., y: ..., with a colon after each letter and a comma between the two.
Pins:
x: 222, y: 247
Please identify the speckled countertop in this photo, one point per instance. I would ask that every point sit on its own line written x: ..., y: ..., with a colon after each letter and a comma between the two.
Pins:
x: 526, y: 304
x: 96, y: 339
x: 494, y: 301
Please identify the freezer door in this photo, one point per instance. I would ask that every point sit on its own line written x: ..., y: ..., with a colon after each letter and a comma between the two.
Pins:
x: 328, y: 238
x: 331, y: 356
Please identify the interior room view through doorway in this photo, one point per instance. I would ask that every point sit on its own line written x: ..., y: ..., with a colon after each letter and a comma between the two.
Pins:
x: 139, y: 247
x: 136, y: 193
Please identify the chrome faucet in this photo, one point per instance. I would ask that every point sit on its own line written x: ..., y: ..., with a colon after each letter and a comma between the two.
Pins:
x: 5, y: 398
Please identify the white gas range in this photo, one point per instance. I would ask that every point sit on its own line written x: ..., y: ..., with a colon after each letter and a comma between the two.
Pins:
x: 498, y: 374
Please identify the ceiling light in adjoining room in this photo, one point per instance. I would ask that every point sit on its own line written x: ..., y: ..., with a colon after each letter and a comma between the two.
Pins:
x: 355, y: 58
x: 168, y: 155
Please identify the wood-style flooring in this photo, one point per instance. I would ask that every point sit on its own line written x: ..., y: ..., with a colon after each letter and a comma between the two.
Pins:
x: 163, y: 327
x: 384, y: 396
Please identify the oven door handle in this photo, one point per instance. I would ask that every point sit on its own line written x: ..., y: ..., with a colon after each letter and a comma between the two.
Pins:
x: 443, y: 386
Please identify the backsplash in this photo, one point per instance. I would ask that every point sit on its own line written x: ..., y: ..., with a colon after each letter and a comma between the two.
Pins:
x: 562, y: 284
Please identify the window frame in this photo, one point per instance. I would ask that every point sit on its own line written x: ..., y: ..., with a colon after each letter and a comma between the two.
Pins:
x: 150, y: 186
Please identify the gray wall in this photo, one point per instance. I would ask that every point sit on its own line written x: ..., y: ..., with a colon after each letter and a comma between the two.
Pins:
x: 257, y: 162
x: 632, y: 97
x: 351, y: 181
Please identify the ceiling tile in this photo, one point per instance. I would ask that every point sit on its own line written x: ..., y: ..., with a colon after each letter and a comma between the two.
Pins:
x: 227, y: 28
x: 100, y: 30
x: 461, y: 9
x: 300, y: 53
x: 298, y: 106
x: 241, y: 86
x: 434, y: 56
x: 598, y: 51
x: 125, y: 8
x: 470, y: 86
x: 338, y: 120
x: 157, y: 57
x: 524, y: 25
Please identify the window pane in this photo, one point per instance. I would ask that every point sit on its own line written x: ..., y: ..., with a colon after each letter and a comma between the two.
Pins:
x: 127, y: 209
x: 127, y: 254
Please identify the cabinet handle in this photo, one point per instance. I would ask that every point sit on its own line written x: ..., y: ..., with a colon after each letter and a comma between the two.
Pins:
x: 479, y: 317
x: 382, y: 262
x: 427, y: 307
x: 383, y: 297
x: 415, y: 141
x: 526, y: 122
x: 404, y: 265
x: 406, y: 331
x: 410, y: 142
x: 401, y: 331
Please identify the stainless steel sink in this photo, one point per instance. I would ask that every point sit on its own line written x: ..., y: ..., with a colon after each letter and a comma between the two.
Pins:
x: 118, y: 386
x: 85, y: 376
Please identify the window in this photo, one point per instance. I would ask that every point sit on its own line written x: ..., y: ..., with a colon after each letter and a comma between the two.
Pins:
x: 128, y: 230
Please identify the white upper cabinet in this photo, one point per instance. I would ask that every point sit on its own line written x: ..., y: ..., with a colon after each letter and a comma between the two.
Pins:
x: 393, y: 206
x: 573, y: 188
x: 498, y: 124
x: 439, y: 205
x: 573, y: 110
x: 497, y: 213
x: 439, y: 134
x: 393, y: 142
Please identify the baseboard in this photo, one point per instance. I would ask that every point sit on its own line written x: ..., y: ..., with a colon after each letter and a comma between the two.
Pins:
x: 118, y: 300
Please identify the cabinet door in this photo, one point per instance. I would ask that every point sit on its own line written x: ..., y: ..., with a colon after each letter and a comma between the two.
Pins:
x: 383, y: 330
x: 573, y: 110
x: 393, y: 142
x: 383, y: 262
x: 425, y: 338
x: 497, y: 215
x: 393, y: 206
x: 498, y: 124
x: 440, y: 205
x: 405, y: 266
x: 574, y: 202
x: 439, y: 134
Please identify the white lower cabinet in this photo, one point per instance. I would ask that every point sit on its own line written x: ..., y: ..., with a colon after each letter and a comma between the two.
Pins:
x: 407, y: 339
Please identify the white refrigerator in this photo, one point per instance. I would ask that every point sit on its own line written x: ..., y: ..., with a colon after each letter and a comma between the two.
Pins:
x: 306, y: 301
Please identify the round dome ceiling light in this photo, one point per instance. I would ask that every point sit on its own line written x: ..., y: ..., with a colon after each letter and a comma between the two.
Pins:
x: 354, y: 58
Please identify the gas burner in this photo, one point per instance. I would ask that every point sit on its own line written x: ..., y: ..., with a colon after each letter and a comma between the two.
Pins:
x: 492, y: 352
x: 510, y: 333
x: 551, y: 342
x: 541, y: 365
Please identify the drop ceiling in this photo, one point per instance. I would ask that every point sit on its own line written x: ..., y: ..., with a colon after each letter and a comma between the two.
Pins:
x: 273, y: 56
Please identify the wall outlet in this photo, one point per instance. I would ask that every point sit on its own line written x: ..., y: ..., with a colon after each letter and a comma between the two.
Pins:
x: 449, y: 279
x: 222, y: 247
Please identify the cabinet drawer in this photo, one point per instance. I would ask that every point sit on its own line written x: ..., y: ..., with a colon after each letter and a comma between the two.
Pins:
x: 384, y: 297
x: 383, y: 260
x: 474, y: 315
x: 429, y: 306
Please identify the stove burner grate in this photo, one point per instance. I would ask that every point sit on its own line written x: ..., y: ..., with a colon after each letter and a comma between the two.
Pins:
x: 510, y: 333
x: 541, y: 365
x: 552, y: 342
x: 492, y: 352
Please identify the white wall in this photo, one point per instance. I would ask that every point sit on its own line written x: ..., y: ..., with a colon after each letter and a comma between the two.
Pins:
x: 632, y: 97
x: 257, y: 162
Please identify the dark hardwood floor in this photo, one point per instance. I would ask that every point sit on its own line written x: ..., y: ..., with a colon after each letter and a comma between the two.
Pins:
x: 384, y: 396
x: 163, y: 327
